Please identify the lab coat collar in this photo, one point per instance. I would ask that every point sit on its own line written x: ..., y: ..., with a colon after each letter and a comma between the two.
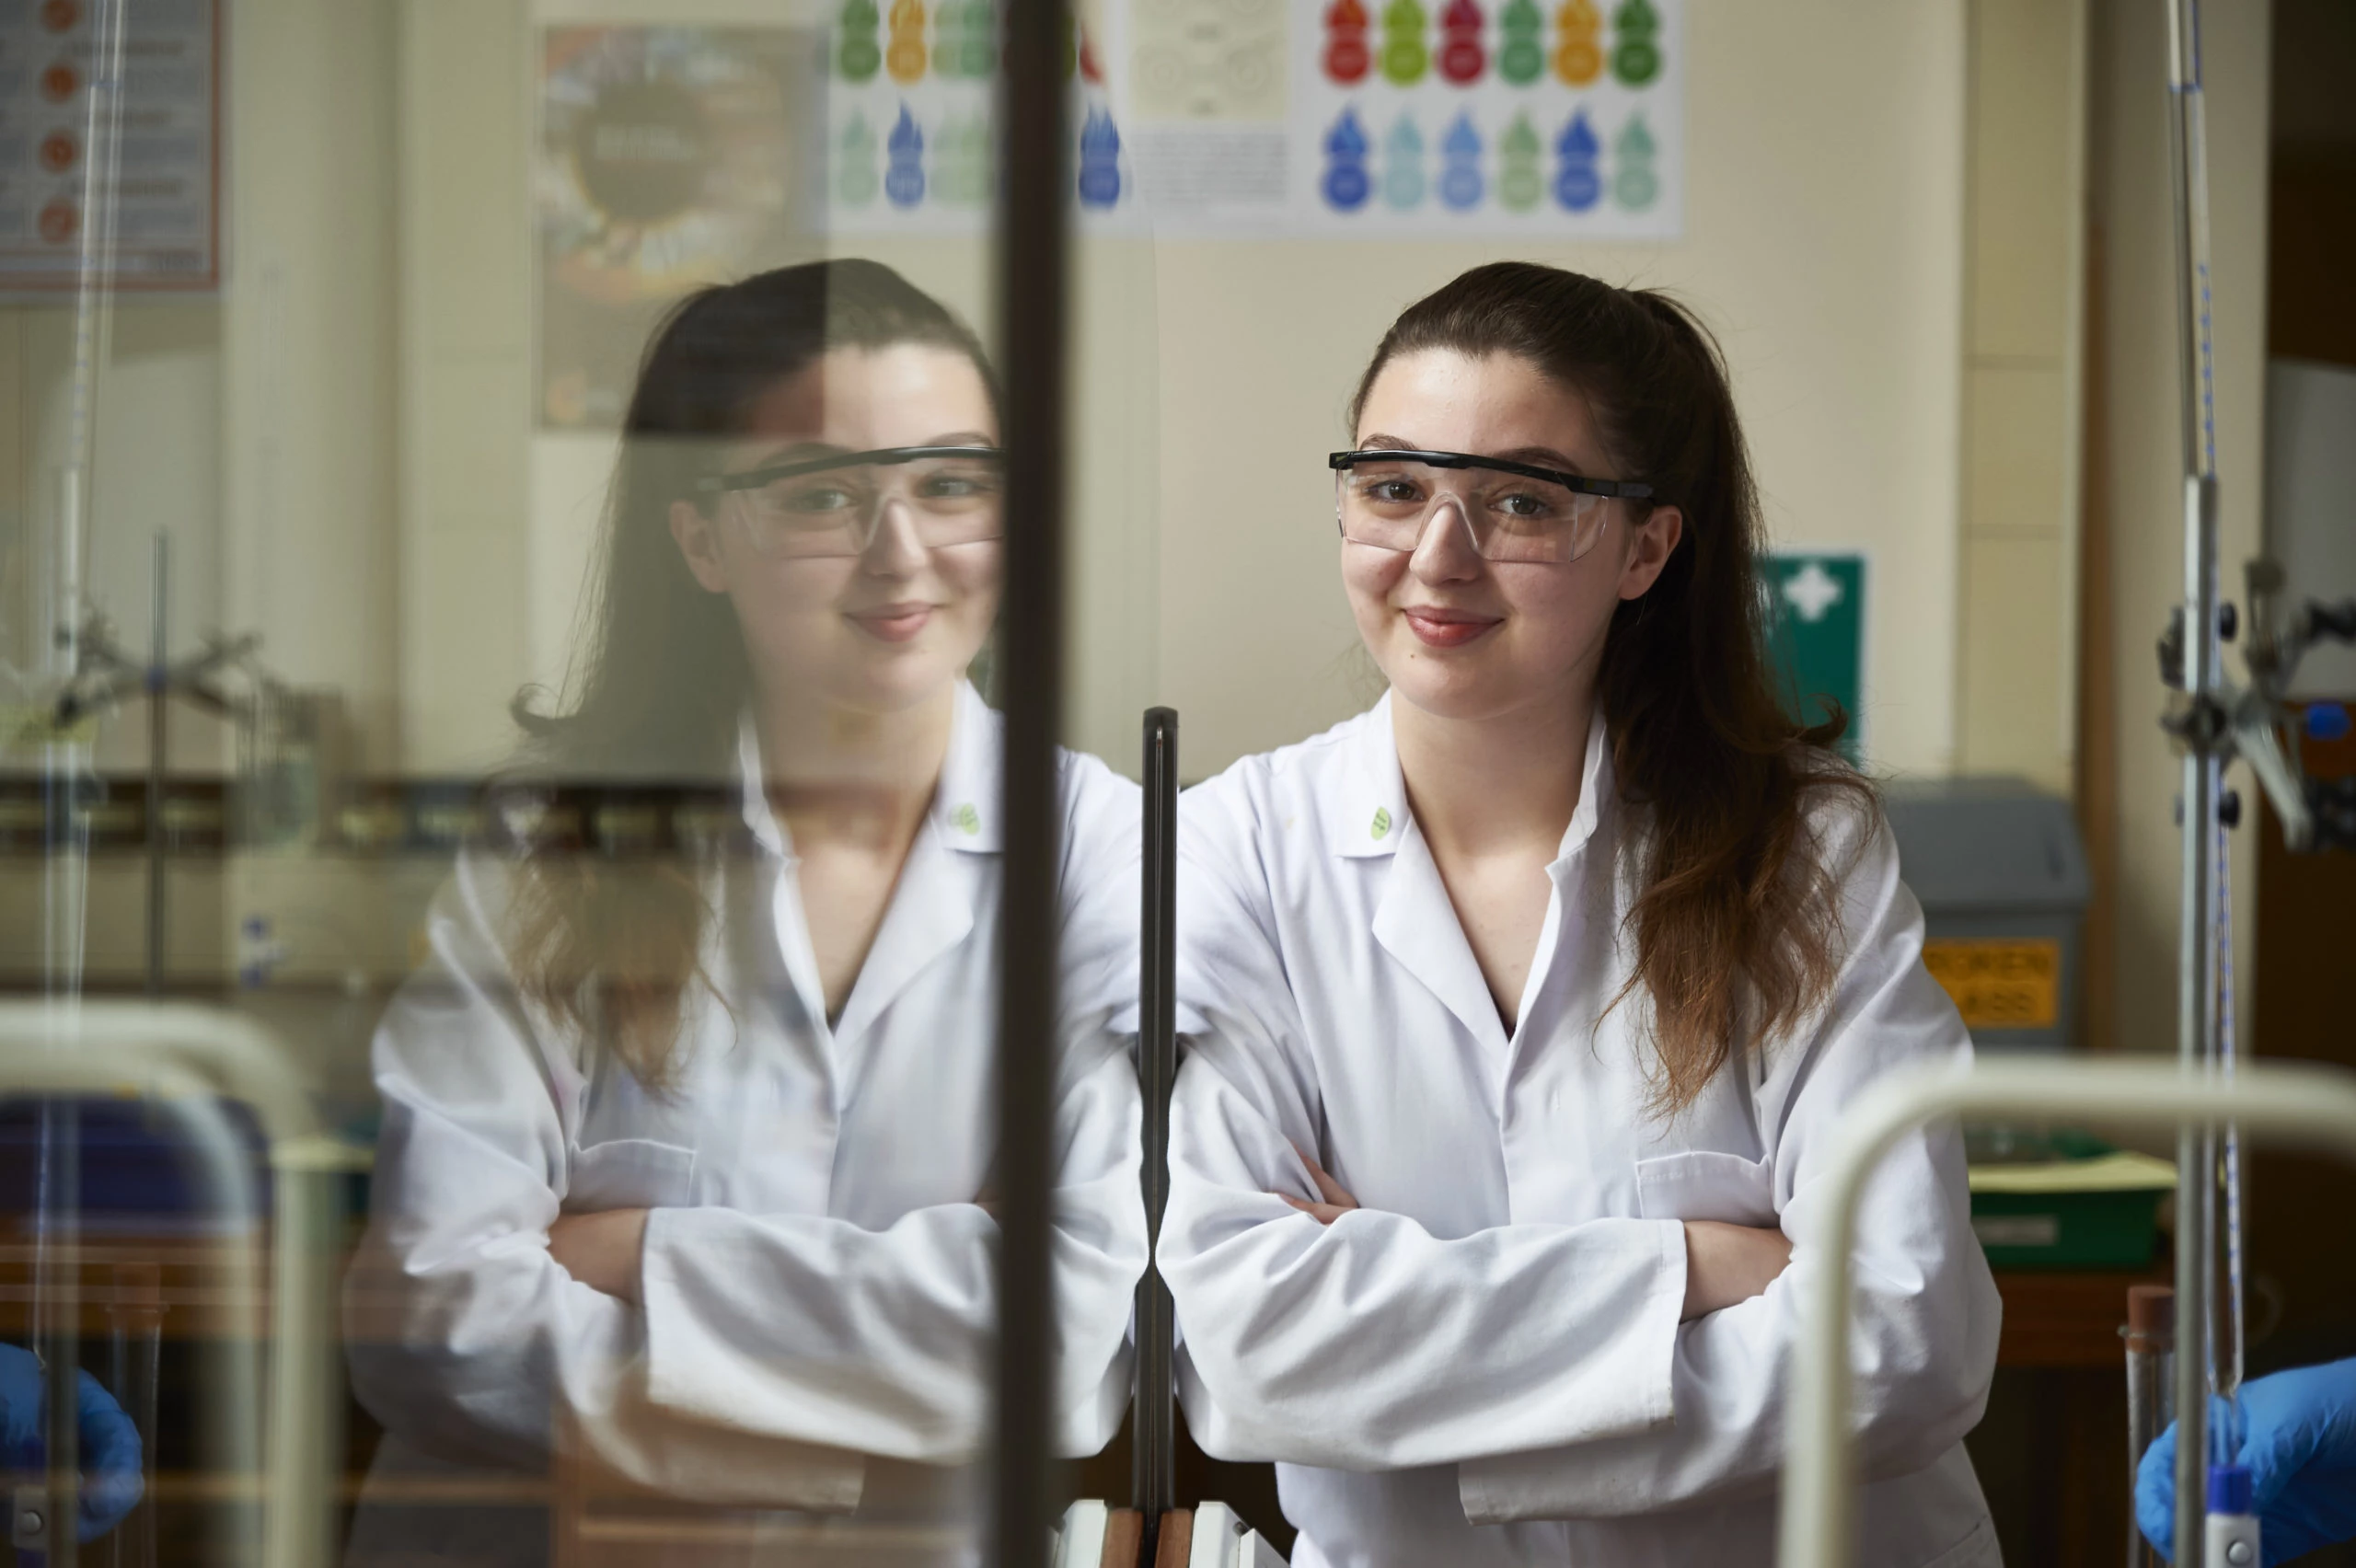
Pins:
x: 1596, y: 784
x: 1416, y: 922
x: 964, y: 812
x: 1371, y: 819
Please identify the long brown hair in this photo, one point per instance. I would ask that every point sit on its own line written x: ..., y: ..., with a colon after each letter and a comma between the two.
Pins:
x: 1737, y: 919
x: 607, y: 942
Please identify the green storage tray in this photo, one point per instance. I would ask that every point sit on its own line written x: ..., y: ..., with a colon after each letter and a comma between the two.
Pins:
x: 2067, y: 1230
x: 2097, y: 1212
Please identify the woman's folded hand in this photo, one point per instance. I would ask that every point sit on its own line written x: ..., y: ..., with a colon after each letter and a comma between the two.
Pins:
x: 1727, y: 1263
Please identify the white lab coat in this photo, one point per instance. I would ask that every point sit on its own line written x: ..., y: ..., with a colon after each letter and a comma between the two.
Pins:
x: 819, y: 1306
x: 1484, y: 1365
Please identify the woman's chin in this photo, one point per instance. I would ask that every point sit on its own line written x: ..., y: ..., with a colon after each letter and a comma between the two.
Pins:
x: 894, y: 679
x: 1459, y: 694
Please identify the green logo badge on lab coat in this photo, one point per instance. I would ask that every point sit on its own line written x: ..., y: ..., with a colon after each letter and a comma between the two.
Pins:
x: 967, y: 819
x: 1382, y: 822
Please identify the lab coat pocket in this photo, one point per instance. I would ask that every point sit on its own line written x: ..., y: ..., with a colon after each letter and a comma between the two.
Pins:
x: 629, y: 1173
x: 1706, y: 1184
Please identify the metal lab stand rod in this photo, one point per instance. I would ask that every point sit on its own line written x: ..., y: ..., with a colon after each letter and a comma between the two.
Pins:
x: 1153, y: 1481
x: 2206, y: 735
x: 2304, y: 1104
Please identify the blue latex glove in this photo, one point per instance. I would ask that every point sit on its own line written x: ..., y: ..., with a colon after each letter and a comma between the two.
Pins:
x: 112, y: 1481
x: 2298, y: 1441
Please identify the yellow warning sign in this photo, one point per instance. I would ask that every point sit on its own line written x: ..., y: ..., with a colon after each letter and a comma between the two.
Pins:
x: 2003, y: 983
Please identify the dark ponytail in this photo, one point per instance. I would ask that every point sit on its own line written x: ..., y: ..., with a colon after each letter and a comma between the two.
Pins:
x: 1736, y: 920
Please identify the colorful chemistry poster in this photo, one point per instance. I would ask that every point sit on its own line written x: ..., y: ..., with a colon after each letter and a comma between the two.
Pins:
x: 1291, y: 117
x: 912, y: 127
x: 665, y: 162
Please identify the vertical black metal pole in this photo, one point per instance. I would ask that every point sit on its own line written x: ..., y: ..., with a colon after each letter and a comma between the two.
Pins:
x: 1153, y: 1479
x: 1034, y: 195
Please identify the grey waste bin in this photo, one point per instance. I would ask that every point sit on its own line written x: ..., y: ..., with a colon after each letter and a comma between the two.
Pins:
x: 2002, y: 876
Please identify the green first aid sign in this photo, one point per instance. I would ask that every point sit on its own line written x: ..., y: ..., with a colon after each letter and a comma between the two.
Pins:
x: 1816, y: 634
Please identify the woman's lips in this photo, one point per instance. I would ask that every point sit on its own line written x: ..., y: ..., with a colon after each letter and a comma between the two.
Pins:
x: 893, y: 623
x: 1447, y: 628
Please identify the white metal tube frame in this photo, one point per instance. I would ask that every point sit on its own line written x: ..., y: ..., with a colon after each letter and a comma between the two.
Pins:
x: 175, y: 1051
x: 2309, y: 1105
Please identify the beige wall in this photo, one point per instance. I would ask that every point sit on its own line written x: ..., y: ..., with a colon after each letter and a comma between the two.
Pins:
x: 309, y: 406
x: 466, y: 378
x: 1824, y: 241
x: 2016, y: 585
x: 2141, y: 478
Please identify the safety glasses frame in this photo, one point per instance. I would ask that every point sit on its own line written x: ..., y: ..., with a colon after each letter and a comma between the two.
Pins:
x: 882, y: 457
x: 1610, y: 489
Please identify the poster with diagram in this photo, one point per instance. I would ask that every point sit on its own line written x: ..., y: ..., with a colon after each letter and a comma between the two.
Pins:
x: 1400, y: 118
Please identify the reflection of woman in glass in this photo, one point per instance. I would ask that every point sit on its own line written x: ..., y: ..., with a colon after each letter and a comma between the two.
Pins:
x: 1524, y: 1005
x: 687, y: 1155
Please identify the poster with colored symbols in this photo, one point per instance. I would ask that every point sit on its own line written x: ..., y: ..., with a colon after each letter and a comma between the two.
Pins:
x: 1411, y: 116
x: 1285, y: 117
x: 912, y: 123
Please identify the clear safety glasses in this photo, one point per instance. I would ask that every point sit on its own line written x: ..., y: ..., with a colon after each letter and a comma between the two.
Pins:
x: 832, y: 506
x: 1515, y: 511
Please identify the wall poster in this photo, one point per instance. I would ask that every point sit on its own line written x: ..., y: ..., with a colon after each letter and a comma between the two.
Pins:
x: 167, y: 179
x: 669, y: 158
x: 1400, y: 118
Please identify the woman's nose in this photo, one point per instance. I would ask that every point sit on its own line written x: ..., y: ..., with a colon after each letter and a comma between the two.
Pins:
x: 1446, y: 550
x: 895, y: 548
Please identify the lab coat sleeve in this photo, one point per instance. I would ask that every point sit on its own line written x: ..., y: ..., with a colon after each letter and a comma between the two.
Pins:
x: 881, y: 1341
x: 464, y: 1335
x: 1370, y: 1343
x: 1925, y: 1313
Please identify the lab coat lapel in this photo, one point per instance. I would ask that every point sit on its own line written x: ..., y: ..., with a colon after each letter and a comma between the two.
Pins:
x: 931, y: 912
x: 932, y: 909
x: 1416, y: 924
x: 1566, y: 911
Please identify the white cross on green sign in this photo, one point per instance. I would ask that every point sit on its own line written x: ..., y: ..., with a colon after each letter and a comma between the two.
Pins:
x: 1816, y: 634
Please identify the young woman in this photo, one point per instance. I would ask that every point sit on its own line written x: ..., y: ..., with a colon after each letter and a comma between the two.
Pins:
x: 687, y: 1139
x: 1522, y: 1006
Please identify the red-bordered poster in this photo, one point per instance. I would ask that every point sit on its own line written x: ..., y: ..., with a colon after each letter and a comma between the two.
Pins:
x: 167, y: 184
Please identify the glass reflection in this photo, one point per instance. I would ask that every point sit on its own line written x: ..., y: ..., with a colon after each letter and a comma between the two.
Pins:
x: 683, y: 1195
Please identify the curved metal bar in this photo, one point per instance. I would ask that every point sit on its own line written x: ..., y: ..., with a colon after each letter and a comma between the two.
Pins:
x: 178, y: 1051
x: 2291, y: 1103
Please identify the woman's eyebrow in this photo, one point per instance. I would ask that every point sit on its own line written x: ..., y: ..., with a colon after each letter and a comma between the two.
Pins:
x: 1536, y: 456
x: 964, y: 438
x: 1542, y: 457
x: 795, y: 451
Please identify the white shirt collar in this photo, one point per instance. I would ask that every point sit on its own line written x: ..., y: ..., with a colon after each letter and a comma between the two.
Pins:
x: 966, y: 806
x: 1371, y: 819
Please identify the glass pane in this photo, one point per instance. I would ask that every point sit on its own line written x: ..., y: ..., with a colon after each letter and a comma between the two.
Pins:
x: 558, y: 858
